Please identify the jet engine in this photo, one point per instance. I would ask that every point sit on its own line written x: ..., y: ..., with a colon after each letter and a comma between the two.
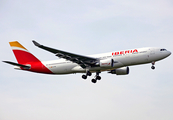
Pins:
x: 120, y: 71
x: 107, y: 63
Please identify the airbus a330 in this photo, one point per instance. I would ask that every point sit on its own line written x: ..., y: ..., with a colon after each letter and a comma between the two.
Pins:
x: 115, y: 62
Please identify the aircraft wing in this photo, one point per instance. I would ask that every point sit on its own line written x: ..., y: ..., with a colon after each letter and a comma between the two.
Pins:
x: 83, y: 61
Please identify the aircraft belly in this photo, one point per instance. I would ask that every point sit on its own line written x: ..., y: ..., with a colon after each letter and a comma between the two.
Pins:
x: 65, y: 68
x: 78, y: 69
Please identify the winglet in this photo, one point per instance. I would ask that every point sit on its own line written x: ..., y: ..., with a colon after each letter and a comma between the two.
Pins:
x: 36, y: 43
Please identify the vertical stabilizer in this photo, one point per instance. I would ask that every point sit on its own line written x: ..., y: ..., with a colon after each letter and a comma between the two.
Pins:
x: 22, y: 55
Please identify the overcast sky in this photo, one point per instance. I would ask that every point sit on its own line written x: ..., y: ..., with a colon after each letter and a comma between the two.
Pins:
x: 86, y: 27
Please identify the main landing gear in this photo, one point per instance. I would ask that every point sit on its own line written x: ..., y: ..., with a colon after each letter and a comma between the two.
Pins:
x: 97, y: 77
x: 153, y: 67
x: 94, y: 80
x: 87, y: 74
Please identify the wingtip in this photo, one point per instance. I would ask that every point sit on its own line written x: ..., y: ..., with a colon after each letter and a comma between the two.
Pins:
x: 36, y: 43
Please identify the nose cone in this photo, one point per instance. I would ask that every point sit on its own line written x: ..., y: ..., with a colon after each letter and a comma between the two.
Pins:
x: 165, y: 54
x: 169, y: 53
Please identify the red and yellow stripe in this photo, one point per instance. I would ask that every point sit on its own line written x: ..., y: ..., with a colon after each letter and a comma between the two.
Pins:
x: 16, y: 44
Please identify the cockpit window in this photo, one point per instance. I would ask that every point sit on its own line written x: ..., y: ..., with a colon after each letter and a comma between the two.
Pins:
x: 163, y: 50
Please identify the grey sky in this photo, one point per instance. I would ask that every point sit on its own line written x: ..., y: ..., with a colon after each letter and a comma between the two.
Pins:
x: 86, y: 27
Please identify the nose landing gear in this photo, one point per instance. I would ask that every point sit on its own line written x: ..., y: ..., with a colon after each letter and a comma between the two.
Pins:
x: 153, y: 67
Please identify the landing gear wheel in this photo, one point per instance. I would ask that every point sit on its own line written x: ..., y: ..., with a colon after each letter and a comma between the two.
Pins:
x: 89, y: 73
x: 98, y: 78
x: 84, y: 76
x: 152, y: 67
x: 93, y: 80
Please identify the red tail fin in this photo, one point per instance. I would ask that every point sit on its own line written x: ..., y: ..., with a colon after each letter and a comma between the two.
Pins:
x: 22, y: 55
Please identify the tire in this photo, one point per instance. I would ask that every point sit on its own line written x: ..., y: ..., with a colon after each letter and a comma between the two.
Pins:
x: 93, y: 80
x: 98, y: 78
x: 152, y: 67
x: 84, y: 76
x: 89, y: 73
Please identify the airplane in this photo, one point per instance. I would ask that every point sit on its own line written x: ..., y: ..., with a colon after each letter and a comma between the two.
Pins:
x: 116, y: 62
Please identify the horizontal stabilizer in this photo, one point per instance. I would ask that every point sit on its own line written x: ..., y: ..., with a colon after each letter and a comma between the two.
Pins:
x: 16, y: 64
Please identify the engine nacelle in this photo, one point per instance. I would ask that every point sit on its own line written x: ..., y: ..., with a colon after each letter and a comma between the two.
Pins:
x: 107, y: 63
x: 120, y: 71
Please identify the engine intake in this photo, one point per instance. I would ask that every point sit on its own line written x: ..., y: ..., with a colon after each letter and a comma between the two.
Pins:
x: 120, y: 71
x: 107, y: 63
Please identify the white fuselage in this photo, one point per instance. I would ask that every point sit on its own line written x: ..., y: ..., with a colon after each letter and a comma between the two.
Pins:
x: 123, y: 58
